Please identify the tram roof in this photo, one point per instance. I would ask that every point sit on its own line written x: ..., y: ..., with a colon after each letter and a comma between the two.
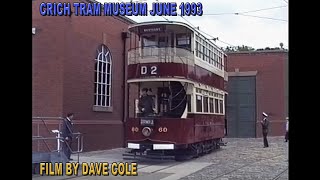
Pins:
x: 178, y: 23
x: 134, y: 28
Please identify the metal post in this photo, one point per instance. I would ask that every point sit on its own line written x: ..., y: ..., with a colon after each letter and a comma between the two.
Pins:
x: 58, y: 136
x: 79, y: 136
x: 38, y: 134
x: 58, y: 139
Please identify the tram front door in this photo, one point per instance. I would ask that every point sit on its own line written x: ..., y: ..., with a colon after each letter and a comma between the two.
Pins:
x: 163, y: 101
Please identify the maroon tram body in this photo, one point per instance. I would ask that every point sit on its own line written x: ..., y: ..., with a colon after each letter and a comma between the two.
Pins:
x: 182, y: 77
x: 196, y: 128
x: 196, y: 73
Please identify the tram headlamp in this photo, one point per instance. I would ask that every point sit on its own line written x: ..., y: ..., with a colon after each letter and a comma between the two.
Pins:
x: 146, y: 131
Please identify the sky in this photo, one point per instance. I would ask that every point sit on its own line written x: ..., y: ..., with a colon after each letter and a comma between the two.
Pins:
x: 268, y: 28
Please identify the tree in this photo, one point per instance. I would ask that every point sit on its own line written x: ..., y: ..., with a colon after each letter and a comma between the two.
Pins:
x: 281, y: 45
x: 245, y: 48
x: 238, y: 48
x: 248, y: 48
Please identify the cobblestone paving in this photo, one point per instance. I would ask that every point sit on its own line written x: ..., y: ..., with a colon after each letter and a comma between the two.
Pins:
x: 241, y: 159
x: 246, y: 159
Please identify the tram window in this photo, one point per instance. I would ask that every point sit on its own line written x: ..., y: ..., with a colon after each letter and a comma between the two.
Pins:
x: 222, y: 64
x: 197, y: 50
x: 200, y: 50
x: 211, y: 105
x: 221, y: 106
x: 215, y: 60
x: 204, y: 51
x: 216, y: 104
x: 163, y: 42
x: 199, y: 103
x: 207, y: 54
x: 149, y: 41
x: 205, y: 104
x: 189, y: 102
x: 147, y: 44
x: 183, y: 40
x: 200, y: 54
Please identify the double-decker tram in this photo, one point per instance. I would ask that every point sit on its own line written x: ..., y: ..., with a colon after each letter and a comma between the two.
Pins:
x: 176, y: 79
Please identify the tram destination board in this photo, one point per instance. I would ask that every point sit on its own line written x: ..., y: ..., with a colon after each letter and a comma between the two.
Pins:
x: 152, y: 29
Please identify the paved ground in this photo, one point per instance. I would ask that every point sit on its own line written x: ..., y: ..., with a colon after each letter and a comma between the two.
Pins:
x: 245, y: 159
x: 241, y: 159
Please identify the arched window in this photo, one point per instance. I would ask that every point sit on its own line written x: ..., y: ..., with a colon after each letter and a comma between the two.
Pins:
x: 102, y: 96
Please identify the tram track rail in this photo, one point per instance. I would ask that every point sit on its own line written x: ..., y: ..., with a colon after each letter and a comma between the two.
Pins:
x: 248, y: 164
x: 279, y: 175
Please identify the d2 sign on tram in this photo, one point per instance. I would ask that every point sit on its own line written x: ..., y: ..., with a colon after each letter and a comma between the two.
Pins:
x: 148, y: 70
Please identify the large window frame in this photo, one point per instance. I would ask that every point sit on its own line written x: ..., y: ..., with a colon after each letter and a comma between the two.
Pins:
x: 209, y: 52
x: 103, y: 80
x: 209, y: 102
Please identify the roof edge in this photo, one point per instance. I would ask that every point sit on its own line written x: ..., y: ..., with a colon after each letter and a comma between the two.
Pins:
x: 260, y: 51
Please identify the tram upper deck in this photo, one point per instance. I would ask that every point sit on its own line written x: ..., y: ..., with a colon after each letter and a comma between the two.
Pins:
x: 175, y: 43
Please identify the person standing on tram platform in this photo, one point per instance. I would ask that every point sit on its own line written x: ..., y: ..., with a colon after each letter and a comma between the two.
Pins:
x: 145, y: 103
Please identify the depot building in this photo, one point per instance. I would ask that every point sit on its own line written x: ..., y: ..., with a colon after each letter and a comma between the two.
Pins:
x: 79, y: 66
x: 257, y: 83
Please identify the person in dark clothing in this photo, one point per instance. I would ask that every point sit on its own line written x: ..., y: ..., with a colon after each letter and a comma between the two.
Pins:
x: 146, y: 103
x: 149, y: 93
x: 265, y: 126
x: 67, y: 134
x: 287, y: 130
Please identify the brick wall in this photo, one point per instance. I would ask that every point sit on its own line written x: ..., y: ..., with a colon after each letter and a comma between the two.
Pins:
x: 270, y: 85
x: 64, y: 52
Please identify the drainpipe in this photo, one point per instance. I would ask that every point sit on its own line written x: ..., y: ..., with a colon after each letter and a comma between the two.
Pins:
x: 124, y: 36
